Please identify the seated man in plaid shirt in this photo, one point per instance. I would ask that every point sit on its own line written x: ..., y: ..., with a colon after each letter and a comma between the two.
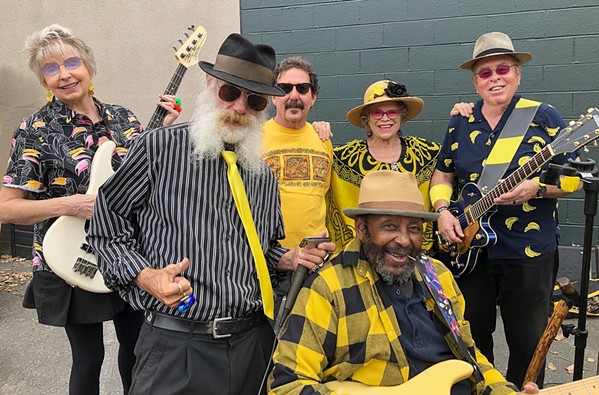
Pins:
x: 371, y: 316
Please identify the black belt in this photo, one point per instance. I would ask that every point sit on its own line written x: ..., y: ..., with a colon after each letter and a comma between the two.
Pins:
x: 218, y: 328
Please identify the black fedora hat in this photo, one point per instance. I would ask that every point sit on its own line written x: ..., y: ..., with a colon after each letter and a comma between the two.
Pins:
x: 240, y: 62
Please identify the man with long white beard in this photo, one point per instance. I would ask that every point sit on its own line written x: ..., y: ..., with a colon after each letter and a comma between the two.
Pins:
x: 380, y: 313
x: 187, y: 231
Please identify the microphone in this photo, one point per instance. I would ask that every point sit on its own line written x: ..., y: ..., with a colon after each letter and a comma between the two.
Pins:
x: 296, y: 284
x: 289, y: 300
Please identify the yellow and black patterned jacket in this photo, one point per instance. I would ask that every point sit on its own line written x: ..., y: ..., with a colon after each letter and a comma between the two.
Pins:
x: 340, y: 329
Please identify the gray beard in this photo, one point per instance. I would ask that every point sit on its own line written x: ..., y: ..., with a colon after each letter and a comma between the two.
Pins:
x: 376, y: 257
x: 208, y: 133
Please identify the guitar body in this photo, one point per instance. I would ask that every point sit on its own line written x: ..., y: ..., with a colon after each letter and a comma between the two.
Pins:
x: 65, y: 247
x: 437, y: 380
x: 461, y: 258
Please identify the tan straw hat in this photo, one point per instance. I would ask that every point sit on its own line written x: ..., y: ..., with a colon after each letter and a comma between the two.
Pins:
x: 382, y: 91
x: 493, y: 44
x: 389, y: 192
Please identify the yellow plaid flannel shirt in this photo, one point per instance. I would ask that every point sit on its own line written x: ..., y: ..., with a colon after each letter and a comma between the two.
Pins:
x: 340, y: 329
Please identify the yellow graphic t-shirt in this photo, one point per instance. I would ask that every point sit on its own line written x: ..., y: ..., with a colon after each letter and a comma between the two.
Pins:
x: 302, y: 164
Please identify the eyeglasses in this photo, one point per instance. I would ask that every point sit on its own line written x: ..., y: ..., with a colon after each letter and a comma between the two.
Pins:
x: 391, y: 114
x: 302, y: 89
x: 500, y: 70
x: 231, y: 93
x: 69, y: 64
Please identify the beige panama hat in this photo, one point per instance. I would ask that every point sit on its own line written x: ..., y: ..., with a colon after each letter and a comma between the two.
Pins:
x: 388, y: 192
x: 493, y: 44
x: 382, y: 91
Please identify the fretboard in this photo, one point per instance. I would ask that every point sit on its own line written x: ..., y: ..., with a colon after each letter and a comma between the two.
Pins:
x: 171, y: 89
x: 478, y: 209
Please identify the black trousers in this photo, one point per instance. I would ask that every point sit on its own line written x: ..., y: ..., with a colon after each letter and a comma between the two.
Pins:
x: 522, y: 289
x: 170, y: 362
x: 87, y: 350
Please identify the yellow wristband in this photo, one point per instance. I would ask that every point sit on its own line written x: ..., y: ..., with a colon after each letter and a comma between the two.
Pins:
x: 440, y: 192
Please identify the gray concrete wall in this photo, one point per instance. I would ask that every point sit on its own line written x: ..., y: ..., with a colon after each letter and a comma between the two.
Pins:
x: 131, y: 40
x: 421, y: 43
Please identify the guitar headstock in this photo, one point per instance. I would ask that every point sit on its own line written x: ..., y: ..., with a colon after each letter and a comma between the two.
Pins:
x: 188, y: 52
x: 578, y: 133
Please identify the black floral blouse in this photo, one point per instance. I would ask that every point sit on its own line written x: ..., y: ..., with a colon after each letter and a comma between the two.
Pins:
x: 52, y: 151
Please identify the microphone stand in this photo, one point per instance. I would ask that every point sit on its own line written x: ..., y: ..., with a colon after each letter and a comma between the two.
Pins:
x: 286, y: 305
x: 591, y: 192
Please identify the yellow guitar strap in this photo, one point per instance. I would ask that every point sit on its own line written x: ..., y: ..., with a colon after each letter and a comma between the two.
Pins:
x: 507, y: 144
x: 243, y: 208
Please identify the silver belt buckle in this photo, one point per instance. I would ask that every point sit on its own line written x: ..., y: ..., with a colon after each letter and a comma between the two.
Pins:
x: 215, y: 324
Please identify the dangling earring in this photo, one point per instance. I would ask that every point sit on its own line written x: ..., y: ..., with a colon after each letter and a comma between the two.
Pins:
x: 91, y: 88
x: 368, y: 133
x: 49, y: 97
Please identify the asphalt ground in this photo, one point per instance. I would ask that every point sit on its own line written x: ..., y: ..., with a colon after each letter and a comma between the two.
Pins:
x: 35, y: 359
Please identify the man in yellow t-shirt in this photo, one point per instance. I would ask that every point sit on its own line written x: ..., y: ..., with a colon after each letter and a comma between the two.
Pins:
x: 301, y: 162
x: 295, y: 153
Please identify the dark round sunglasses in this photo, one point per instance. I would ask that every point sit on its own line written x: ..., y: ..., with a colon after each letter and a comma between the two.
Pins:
x: 230, y: 93
x: 302, y: 89
x: 69, y: 64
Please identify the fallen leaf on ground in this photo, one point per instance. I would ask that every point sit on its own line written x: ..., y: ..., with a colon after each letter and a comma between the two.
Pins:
x: 551, y: 366
x: 14, y: 281
x: 570, y: 369
x: 559, y: 337
x: 591, y: 360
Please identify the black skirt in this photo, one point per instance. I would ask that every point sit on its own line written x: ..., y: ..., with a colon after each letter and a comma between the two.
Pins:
x: 57, y: 303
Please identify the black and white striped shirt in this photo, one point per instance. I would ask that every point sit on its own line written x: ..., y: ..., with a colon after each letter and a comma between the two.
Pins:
x: 162, y: 206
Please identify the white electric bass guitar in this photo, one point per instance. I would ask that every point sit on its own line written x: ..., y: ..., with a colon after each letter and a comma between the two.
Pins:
x: 65, y: 248
x: 439, y: 378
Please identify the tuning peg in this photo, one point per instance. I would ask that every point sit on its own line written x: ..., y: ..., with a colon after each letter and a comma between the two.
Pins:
x: 200, y: 35
x: 186, y: 34
x: 180, y: 41
x: 174, y: 48
x: 572, y: 123
x: 191, y: 27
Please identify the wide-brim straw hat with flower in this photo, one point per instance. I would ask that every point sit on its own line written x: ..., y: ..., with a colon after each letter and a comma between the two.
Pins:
x: 495, y: 44
x: 382, y: 91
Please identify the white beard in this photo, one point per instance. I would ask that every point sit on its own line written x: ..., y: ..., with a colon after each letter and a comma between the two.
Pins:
x: 208, y: 132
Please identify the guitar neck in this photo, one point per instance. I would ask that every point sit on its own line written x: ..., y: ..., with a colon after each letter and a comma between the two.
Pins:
x: 581, y: 387
x: 483, y: 205
x: 160, y: 112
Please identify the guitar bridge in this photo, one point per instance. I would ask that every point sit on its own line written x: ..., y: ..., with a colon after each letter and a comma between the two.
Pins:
x: 85, y: 267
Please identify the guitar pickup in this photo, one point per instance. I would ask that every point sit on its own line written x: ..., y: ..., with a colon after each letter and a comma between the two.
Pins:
x: 86, y: 248
x: 85, y: 267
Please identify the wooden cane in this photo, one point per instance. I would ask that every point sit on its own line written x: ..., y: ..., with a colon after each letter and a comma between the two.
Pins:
x: 560, y: 309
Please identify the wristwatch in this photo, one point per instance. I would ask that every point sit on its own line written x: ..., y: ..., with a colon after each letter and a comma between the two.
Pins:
x: 542, y: 191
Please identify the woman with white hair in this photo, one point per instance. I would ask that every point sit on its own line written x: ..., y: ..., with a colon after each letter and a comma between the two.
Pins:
x: 47, y: 176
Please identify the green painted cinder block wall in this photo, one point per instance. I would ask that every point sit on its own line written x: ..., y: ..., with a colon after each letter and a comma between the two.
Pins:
x: 421, y: 43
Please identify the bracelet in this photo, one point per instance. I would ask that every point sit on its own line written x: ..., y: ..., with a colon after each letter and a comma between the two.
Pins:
x: 442, y: 208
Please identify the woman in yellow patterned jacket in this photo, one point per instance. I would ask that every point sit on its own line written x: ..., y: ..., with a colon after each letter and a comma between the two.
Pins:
x: 387, y: 106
